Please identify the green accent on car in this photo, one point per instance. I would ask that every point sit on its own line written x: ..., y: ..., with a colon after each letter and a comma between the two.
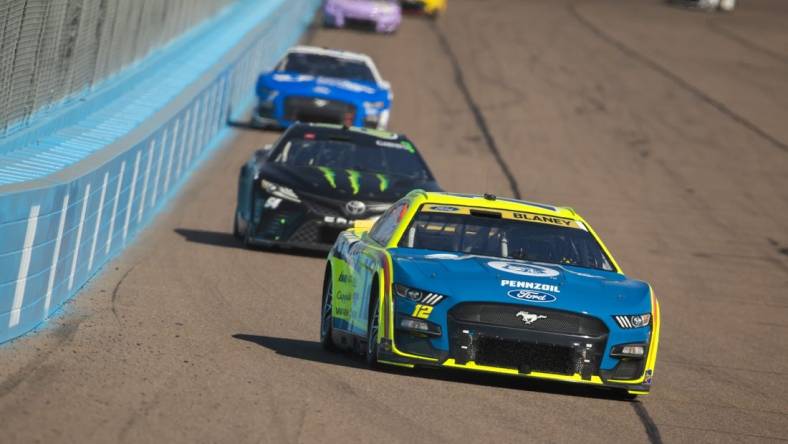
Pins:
x: 330, y: 175
x: 408, y: 146
x: 354, y: 176
x: 384, y: 181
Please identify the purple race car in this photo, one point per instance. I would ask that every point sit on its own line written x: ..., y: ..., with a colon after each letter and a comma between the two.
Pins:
x: 383, y: 15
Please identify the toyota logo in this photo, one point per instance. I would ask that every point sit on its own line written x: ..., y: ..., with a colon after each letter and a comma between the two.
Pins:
x: 355, y: 208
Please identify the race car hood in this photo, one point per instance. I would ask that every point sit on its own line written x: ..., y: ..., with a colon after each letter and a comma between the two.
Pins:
x: 324, y: 87
x: 343, y: 184
x: 465, y: 278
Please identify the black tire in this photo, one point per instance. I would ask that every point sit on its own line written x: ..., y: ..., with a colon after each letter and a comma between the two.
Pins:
x: 236, y: 232
x: 373, y: 324
x: 326, y: 314
x: 248, y: 236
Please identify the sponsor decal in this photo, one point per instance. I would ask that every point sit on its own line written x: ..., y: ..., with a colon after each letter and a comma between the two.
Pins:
x: 529, y: 318
x: 330, y: 175
x: 448, y: 256
x: 523, y: 269
x: 335, y: 220
x: 408, y: 146
x: 353, y: 176
x: 321, y: 90
x: 446, y: 208
x: 384, y: 181
x: 272, y: 202
x: 389, y: 144
x: 530, y: 285
x: 531, y: 296
x: 543, y: 219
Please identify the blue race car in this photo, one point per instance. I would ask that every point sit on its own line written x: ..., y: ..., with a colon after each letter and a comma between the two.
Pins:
x: 323, y: 86
x: 491, y: 285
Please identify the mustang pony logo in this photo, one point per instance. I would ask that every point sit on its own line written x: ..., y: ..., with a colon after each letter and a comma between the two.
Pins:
x: 529, y: 318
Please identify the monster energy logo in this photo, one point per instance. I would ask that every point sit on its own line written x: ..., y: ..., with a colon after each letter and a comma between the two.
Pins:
x: 330, y: 176
x: 353, y: 176
x: 384, y: 181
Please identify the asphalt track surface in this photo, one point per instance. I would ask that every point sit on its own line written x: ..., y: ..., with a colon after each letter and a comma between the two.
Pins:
x: 665, y: 127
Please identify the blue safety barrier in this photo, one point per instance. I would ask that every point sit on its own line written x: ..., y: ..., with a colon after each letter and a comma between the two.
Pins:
x: 74, y: 190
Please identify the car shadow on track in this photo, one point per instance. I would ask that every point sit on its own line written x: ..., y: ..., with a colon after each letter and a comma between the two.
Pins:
x: 227, y: 240
x: 313, y: 351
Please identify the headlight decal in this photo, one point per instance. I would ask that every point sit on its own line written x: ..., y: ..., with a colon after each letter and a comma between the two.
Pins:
x: 279, y: 191
x: 418, y: 296
x: 633, y: 321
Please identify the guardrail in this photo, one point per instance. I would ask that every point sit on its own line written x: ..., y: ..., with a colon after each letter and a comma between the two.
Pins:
x: 99, y: 177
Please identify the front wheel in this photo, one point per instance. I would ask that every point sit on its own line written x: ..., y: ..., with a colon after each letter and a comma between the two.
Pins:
x: 372, y: 334
x: 327, y: 315
x: 236, y: 232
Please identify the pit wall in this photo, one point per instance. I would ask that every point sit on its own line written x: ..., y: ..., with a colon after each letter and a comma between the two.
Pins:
x: 56, y: 231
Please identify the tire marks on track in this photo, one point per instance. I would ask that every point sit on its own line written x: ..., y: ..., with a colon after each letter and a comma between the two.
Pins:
x: 652, y: 431
x: 478, y: 116
x: 675, y: 78
x: 723, y: 31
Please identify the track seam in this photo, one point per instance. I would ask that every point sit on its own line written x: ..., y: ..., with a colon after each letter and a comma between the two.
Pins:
x: 721, y: 30
x: 652, y: 430
x: 680, y: 81
x: 481, y: 122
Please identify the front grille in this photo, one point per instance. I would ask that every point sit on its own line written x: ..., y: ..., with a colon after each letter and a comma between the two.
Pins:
x: 314, y: 109
x: 313, y: 232
x: 276, y: 226
x: 510, y: 315
x: 308, y: 232
x: 322, y: 209
x: 524, y: 356
x: 357, y: 23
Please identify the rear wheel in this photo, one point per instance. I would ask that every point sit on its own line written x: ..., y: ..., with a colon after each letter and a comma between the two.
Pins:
x: 372, y: 333
x: 327, y: 315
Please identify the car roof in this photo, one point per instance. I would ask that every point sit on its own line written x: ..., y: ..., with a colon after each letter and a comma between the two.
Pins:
x: 498, y: 203
x: 340, y: 54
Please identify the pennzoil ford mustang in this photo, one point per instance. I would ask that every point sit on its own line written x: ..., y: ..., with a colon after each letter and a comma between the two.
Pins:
x: 492, y: 285
x: 319, y: 179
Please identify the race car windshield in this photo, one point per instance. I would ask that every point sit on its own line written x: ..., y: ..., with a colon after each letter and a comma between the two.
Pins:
x: 326, y: 66
x: 505, y: 238
x: 349, y: 155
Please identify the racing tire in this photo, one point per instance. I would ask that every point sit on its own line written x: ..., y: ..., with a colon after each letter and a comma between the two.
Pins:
x: 373, y: 324
x: 326, y: 314
x: 236, y: 232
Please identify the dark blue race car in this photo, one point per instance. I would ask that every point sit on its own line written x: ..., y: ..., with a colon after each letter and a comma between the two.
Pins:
x: 323, y: 86
x: 319, y: 179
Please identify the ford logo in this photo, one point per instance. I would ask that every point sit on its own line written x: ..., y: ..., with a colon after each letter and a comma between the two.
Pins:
x: 530, y: 296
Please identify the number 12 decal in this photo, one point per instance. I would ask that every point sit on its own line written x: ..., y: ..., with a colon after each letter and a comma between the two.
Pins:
x: 422, y: 311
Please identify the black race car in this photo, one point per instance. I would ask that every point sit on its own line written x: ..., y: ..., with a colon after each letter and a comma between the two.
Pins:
x: 319, y: 179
